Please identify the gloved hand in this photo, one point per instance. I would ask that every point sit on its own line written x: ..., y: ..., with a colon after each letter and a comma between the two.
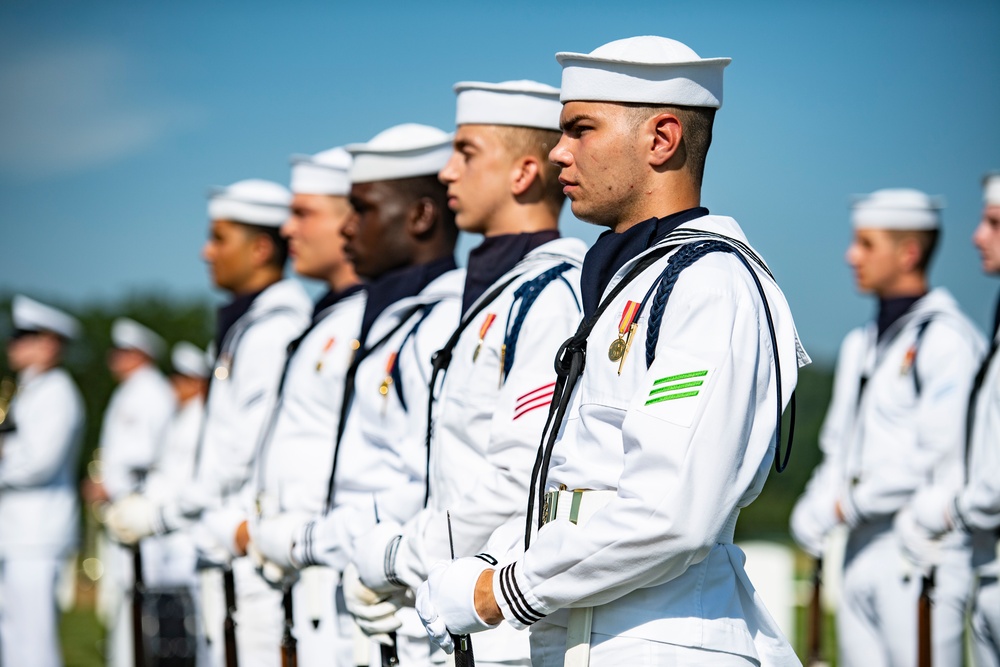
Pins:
x: 810, y: 527
x: 375, y: 557
x: 131, y: 519
x: 917, y: 543
x: 446, y: 601
x: 273, y: 537
x: 271, y: 571
x: 933, y: 508
x: 375, y: 613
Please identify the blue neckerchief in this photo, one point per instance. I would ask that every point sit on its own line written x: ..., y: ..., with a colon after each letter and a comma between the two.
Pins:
x: 398, y: 284
x: 495, y: 256
x: 330, y: 298
x: 227, y: 315
x: 612, y: 251
x: 890, y: 310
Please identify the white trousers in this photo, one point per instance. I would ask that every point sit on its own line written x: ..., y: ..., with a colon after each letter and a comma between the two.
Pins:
x: 986, y: 623
x: 29, y: 627
x: 548, y: 648
x: 324, y: 639
x: 877, y: 615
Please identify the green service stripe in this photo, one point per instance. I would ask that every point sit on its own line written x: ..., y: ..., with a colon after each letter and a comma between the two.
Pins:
x: 670, y: 397
x: 682, y: 376
x: 674, y: 387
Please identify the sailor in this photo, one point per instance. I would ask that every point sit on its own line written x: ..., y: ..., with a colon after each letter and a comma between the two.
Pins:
x: 296, y: 449
x: 402, y: 242
x: 246, y: 255
x: 895, y: 429
x: 134, y: 426
x: 973, y: 506
x: 521, y: 301
x: 663, y: 424
x: 40, y: 438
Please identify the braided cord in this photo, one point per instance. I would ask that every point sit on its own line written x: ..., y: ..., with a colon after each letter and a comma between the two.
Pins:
x: 527, y: 293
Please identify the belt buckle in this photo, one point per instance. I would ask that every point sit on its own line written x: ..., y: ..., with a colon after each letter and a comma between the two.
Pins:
x: 550, y: 506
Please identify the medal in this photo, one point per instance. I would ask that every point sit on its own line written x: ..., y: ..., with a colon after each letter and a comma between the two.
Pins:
x: 326, y: 348
x: 221, y: 371
x: 487, y: 323
x: 908, y: 360
x: 503, y: 357
x: 619, y: 346
x: 387, y: 382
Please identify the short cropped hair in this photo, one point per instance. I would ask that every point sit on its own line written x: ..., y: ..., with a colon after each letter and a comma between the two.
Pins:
x: 280, y: 244
x: 926, y: 240
x: 696, y: 139
x: 429, y: 187
x: 536, y: 142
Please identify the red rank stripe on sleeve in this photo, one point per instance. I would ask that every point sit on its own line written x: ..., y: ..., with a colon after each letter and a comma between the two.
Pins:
x: 534, y: 399
x: 487, y: 323
x: 628, y: 316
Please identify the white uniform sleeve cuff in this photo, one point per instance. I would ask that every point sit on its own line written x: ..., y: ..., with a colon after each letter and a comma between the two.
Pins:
x: 516, y: 603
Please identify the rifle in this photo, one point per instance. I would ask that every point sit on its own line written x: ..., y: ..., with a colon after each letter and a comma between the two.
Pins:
x: 924, y: 620
x: 289, y: 645
x: 138, y: 588
x: 463, y: 643
x: 390, y: 657
x: 229, y: 625
x: 814, y: 637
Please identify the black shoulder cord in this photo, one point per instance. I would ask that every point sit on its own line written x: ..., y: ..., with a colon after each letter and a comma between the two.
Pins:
x: 569, y: 363
x: 440, y: 361
x: 345, y: 403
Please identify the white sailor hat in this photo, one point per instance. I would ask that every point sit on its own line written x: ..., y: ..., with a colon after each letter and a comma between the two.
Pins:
x: 520, y: 103
x: 253, y: 202
x: 325, y: 173
x: 188, y: 360
x: 128, y: 334
x: 402, y: 151
x: 30, y: 315
x: 897, y: 208
x: 643, y: 70
x: 991, y: 189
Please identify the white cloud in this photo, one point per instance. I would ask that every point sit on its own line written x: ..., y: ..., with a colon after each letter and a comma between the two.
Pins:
x: 67, y: 109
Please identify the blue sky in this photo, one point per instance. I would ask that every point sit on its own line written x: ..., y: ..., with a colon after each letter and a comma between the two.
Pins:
x: 116, y: 117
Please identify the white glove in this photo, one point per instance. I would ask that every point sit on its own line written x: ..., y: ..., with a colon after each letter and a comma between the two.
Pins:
x: 932, y: 509
x: 375, y: 557
x: 375, y: 613
x: 274, y: 536
x: 809, y: 528
x: 271, y: 571
x: 917, y: 543
x: 131, y: 519
x: 446, y: 601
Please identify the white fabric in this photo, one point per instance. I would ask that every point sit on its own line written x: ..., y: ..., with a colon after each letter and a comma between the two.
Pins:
x: 272, y: 537
x: 252, y: 202
x: 259, y: 617
x: 30, y: 315
x: 372, y: 557
x: 486, y: 433
x: 131, y: 518
x: 238, y: 405
x: 188, y: 359
x: 449, y: 594
x: 646, y: 70
x: 39, y: 510
x: 899, y: 208
x: 374, y: 612
x: 657, y: 562
x: 29, y: 621
x: 518, y: 103
x: 127, y: 334
x: 991, y: 189
x: 985, y: 624
x: 402, y: 151
x: 325, y: 173
x: 134, y: 425
x: 893, y: 443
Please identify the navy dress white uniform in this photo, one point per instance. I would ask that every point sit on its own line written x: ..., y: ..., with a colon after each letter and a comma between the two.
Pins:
x: 973, y: 506
x: 379, y: 466
x: 293, y: 466
x: 668, y: 433
x: 895, y: 426
x: 39, y: 512
x: 522, y: 295
x: 132, y: 433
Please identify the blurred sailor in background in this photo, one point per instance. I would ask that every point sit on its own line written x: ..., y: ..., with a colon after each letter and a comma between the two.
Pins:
x: 296, y: 449
x: 135, y: 422
x: 246, y: 256
x: 39, y: 512
x: 895, y: 429
x: 521, y: 301
x: 402, y: 241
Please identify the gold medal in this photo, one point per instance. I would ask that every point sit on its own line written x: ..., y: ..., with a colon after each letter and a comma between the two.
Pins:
x: 617, y: 349
x: 619, y: 346
x: 387, y: 382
